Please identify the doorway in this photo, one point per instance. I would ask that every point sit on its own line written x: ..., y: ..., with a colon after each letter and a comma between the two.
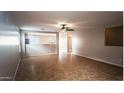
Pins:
x: 65, y: 42
x: 37, y: 44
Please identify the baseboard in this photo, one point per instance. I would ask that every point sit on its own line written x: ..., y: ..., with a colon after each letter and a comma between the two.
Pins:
x: 6, y: 78
x: 16, y: 69
x: 98, y: 60
x: 40, y: 55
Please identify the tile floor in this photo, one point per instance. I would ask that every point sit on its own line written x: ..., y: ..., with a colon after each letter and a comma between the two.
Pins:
x: 66, y: 67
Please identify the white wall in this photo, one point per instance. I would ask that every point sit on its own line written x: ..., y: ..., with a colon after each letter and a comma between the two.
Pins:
x: 89, y: 42
x: 9, y: 47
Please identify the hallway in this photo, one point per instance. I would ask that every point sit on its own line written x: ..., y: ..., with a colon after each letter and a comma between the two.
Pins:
x: 66, y: 67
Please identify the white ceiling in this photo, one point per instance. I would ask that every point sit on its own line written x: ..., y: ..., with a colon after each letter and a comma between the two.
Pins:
x: 50, y: 20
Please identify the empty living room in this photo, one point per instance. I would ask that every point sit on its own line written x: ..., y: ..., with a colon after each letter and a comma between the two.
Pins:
x: 61, y: 45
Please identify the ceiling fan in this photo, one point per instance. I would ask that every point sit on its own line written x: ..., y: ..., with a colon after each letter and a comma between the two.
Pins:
x: 65, y: 28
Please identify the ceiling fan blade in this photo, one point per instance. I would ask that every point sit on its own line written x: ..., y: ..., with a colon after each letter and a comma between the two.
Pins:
x: 69, y: 29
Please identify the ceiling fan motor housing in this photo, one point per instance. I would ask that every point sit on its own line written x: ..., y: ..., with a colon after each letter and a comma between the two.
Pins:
x: 63, y: 26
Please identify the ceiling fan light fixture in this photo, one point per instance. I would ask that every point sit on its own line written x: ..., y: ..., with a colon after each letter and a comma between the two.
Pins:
x: 64, y: 31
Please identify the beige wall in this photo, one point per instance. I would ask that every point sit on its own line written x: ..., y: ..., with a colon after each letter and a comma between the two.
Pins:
x: 9, y: 47
x: 89, y: 42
